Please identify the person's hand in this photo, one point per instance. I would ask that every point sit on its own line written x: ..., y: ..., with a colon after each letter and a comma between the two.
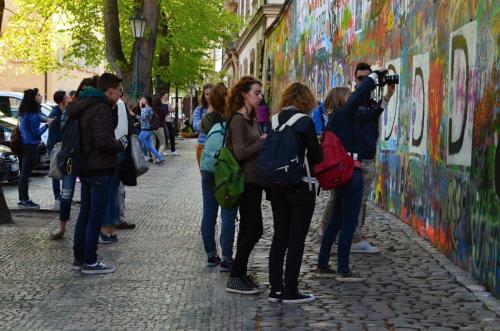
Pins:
x: 50, y: 121
x: 391, y: 88
x: 264, y: 136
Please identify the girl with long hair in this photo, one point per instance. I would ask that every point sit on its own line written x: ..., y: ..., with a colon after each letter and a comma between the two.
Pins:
x: 244, y: 140
x: 198, y: 114
x: 293, y: 207
x: 31, y: 136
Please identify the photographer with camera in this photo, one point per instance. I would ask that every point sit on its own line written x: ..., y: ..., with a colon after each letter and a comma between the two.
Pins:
x: 368, y: 134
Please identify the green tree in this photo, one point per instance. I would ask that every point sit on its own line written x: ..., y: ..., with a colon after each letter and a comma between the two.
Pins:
x: 51, y: 35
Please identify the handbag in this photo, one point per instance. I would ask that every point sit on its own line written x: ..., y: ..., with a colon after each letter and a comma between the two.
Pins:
x: 54, y: 171
x: 138, y: 156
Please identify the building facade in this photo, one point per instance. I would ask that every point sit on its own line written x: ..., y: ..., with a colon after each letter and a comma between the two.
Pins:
x: 245, y: 55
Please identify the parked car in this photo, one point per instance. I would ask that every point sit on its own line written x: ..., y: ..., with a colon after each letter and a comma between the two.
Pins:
x: 7, y: 124
x: 9, y: 165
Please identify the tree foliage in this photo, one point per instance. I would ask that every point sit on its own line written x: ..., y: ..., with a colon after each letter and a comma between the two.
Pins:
x: 52, y: 35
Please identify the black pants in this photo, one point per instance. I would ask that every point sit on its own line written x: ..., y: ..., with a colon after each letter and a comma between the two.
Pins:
x: 292, y: 213
x: 29, y: 160
x: 170, y: 133
x: 251, y: 227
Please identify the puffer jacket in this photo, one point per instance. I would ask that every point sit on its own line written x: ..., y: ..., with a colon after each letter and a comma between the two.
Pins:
x: 97, y: 132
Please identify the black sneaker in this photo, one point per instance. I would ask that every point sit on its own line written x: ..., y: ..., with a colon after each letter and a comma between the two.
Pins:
x: 97, y: 268
x: 28, y: 204
x: 327, y: 272
x: 105, y: 239
x: 213, y: 261
x: 275, y: 296
x: 77, y: 265
x: 239, y: 285
x: 298, y: 298
x: 114, y: 237
x: 226, y: 266
x: 251, y: 282
x: 125, y: 226
x: 349, y: 277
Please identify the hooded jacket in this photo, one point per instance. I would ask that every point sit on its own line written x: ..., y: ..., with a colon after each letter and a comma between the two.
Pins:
x: 97, y: 132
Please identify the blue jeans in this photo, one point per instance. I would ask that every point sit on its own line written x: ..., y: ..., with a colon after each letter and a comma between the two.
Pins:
x: 145, y: 138
x: 113, y: 210
x: 210, y: 211
x: 346, y: 206
x: 94, y: 199
x: 68, y: 189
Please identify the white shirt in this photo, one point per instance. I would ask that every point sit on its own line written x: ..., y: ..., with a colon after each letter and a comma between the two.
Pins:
x: 122, y: 127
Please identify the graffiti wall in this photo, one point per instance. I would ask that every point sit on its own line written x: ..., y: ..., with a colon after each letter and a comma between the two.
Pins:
x: 438, y: 163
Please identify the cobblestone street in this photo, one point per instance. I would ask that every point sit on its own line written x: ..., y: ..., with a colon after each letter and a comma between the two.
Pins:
x: 162, y: 282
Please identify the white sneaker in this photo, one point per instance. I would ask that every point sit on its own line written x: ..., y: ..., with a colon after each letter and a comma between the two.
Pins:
x: 165, y: 154
x: 175, y: 153
x: 364, y: 247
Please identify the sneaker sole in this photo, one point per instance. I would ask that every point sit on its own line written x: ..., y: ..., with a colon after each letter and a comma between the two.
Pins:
x: 274, y: 300
x: 225, y: 269
x: 298, y: 300
x: 231, y: 290
x: 366, y: 252
x: 98, y: 272
x: 75, y: 268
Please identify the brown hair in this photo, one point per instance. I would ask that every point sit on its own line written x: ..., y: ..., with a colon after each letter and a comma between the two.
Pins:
x: 217, y: 98
x: 298, y: 95
x: 203, y: 100
x: 235, y: 100
x: 335, y: 98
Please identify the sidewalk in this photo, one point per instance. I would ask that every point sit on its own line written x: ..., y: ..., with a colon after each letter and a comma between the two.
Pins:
x: 162, y: 283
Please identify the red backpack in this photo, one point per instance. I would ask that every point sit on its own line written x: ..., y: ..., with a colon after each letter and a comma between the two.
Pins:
x: 337, y: 166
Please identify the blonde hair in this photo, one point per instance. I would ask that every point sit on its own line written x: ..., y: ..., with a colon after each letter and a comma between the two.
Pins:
x: 298, y: 95
x: 336, y: 98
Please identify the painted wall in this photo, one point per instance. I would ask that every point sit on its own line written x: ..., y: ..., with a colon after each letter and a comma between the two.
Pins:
x: 439, y: 157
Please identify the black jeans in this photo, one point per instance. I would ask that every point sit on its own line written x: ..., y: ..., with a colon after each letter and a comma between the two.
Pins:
x: 29, y: 160
x: 171, y: 135
x: 292, y: 213
x: 251, y: 227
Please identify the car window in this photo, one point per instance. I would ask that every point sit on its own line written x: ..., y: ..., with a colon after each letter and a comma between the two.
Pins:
x: 5, y: 106
x: 14, y: 106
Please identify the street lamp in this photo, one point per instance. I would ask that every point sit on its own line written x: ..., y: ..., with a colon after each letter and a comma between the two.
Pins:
x: 138, y: 24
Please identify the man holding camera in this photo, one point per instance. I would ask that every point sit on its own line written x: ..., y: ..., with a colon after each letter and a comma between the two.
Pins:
x: 368, y: 134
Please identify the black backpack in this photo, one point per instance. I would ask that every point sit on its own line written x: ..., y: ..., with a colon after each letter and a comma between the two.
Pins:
x: 280, y: 164
x: 70, y: 160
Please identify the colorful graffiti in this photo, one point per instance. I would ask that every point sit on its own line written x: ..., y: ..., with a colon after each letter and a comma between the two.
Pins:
x: 439, y: 158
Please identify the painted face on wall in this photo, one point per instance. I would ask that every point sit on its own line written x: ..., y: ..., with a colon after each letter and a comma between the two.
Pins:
x: 254, y: 96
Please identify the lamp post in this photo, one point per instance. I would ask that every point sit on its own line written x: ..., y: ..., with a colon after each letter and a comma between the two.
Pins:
x: 138, y: 23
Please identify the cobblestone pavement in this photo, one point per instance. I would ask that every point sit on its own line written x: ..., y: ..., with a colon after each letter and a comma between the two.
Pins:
x: 162, y: 282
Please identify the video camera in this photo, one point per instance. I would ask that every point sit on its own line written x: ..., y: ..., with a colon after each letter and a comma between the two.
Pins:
x: 384, y: 78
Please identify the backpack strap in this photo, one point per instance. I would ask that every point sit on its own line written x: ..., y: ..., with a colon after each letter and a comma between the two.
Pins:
x: 227, y: 127
x: 291, y: 121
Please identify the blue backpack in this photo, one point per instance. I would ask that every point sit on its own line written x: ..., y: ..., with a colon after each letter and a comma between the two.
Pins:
x: 213, y: 143
x: 279, y: 163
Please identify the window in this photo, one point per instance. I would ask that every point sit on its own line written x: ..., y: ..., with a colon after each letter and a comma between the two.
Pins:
x: 252, y: 62
x: 245, y: 67
x: 9, y: 106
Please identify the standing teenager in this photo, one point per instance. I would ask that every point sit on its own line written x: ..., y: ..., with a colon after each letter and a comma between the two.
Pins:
x: 293, y: 207
x: 245, y: 141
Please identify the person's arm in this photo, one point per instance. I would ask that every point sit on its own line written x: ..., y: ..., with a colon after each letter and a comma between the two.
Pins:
x: 241, y: 151
x: 197, y: 118
x: 356, y: 99
x: 36, y: 130
x: 103, y: 134
x: 314, y: 151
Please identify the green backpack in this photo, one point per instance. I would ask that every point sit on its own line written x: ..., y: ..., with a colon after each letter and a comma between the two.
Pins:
x: 229, y: 177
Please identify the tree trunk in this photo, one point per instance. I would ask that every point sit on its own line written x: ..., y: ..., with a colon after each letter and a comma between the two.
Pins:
x: 114, y: 49
x: 164, y: 56
x: 5, y: 216
x: 2, y: 7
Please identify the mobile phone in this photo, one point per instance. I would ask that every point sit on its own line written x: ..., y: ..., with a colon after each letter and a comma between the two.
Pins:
x: 124, y: 140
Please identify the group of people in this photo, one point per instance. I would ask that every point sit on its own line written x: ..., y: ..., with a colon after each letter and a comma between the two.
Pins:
x: 352, y: 117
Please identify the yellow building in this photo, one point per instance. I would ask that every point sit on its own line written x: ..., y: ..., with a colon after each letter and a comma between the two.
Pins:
x: 13, y: 78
